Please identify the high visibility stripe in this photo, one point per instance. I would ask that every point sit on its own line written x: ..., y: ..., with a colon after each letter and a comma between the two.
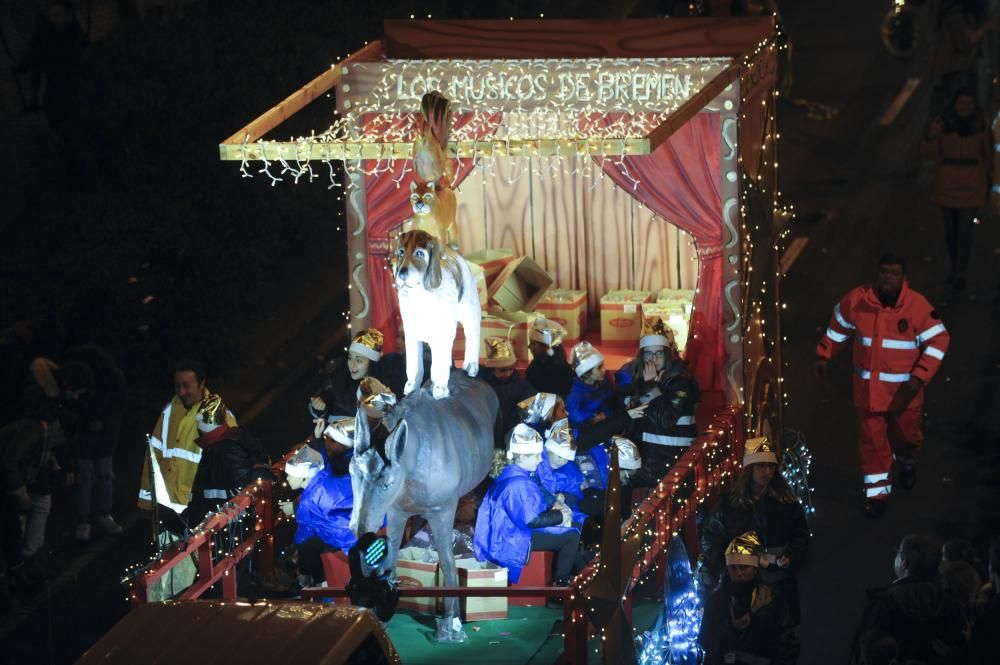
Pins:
x: 193, y: 456
x: 873, y: 478
x: 885, y: 490
x: 146, y: 495
x: 216, y: 494
x: 864, y: 341
x: 840, y: 318
x: 933, y: 331
x: 835, y: 336
x: 189, y: 455
x: 888, y: 377
x: 664, y: 440
x: 934, y: 352
x: 685, y: 420
x: 899, y: 344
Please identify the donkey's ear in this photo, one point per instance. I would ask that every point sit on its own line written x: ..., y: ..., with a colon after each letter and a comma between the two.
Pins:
x: 396, y: 444
x: 432, y: 276
x: 362, y: 435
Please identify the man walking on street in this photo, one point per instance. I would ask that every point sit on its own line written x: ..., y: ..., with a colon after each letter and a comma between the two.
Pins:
x: 899, y: 343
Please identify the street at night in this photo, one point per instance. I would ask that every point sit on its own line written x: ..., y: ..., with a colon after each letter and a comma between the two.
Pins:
x: 130, y: 233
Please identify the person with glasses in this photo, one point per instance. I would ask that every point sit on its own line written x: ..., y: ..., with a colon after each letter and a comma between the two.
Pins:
x: 658, y: 382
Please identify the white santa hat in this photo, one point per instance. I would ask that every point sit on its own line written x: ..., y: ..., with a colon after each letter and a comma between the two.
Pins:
x: 559, y: 440
x: 584, y: 357
x: 306, y: 463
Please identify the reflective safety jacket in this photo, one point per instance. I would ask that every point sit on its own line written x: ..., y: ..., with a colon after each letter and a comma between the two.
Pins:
x: 177, y: 455
x: 891, y: 344
x: 324, y: 510
x: 503, y: 536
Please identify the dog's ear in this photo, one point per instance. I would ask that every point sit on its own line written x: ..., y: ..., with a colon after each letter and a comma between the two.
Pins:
x: 431, y: 186
x: 413, y: 186
x: 432, y: 276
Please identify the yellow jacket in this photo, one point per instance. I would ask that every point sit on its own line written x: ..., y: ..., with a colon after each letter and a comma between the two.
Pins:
x: 177, y: 454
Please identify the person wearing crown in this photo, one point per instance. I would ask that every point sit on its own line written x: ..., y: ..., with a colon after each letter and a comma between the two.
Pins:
x: 336, y: 396
x: 558, y: 473
x: 499, y: 372
x: 548, y: 372
x: 541, y: 410
x: 746, y: 621
x: 658, y: 380
x: 760, y: 500
x: 512, y: 519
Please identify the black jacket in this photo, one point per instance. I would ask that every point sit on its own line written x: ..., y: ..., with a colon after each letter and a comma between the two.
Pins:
x: 340, y: 391
x: 226, y: 467
x: 551, y: 374
x: 925, y: 622
x: 509, y: 393
x: 770, y: 633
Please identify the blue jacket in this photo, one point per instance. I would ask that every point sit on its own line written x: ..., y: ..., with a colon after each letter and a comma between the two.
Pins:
x: 593, y: 467
x: 502, y: 533
x: 566, y: 479
x: 325, y: 510
x: 586, y: 401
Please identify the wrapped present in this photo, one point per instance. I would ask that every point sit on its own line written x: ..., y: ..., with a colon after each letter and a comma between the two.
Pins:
x: 679, y: 300
x: 676, y: 319
x: 492, y: 261
x: 479, y: 277
x: 473, y: 573
x: 519, y: 286
x: 514, y: 326
x: 621, y: 316
x: 568, y: 308
x: 417, y: 567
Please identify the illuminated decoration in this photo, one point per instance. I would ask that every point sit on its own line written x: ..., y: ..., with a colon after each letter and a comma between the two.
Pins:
x: 674, y: 637
x: 796, y: 463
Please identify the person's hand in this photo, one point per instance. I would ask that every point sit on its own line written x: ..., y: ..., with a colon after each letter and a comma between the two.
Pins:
x: 567, y: 515
x: 22, y: 502
x: 598, y: 417
x: 319, y: 426
x: 783, y: 561
x: 637, y: 412
x: 561, y: 498
x: 649, y: 372
x: 901, y: 400
x: 287, y: 507
x: 317, y: 404
x: 935, y: 129
x: 820, y: 367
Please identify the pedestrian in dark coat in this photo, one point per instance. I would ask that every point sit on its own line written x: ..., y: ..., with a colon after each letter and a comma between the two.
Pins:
x: 760, y: 500
x: 549, y: 371
x: 499, y: 372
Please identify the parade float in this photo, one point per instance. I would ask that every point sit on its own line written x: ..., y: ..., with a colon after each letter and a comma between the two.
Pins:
x: 596, y: 172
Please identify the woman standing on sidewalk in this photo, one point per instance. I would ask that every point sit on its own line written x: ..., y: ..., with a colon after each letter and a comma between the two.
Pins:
x: 959, y: 141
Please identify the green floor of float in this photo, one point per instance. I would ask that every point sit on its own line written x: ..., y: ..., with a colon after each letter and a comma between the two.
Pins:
x: 529, y: 635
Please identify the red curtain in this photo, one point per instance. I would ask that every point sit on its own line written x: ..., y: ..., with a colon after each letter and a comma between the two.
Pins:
x: 680, y: 181
x: 388, y: 202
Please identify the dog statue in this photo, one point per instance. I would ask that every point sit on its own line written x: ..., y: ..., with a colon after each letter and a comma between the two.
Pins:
x: 437, y: 204
x: 436, y: 292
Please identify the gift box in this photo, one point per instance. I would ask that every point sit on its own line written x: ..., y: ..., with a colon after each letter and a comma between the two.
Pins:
x: 492, y: 261
x: 519, y: 286
x: 673, y: 317
x: 480, y: 574
x: 568, y: 308
x: 679, y: 300
x: 509, y: 325
x: 479, y: 278
x: 621, y: 315
x: 417, y: 567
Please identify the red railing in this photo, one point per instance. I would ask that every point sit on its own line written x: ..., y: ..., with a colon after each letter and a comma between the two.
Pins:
x: 671, y: 508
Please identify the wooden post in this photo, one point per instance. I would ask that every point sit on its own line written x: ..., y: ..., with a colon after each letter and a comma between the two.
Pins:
x: 358, y: 278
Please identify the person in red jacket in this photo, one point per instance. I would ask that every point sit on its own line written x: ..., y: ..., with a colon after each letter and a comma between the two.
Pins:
x: 899, y: 343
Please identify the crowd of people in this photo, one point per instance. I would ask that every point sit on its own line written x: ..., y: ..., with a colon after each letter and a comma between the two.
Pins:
x: 62, y: 411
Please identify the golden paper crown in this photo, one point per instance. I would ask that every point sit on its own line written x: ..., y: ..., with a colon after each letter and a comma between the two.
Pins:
x: 758, y: 450
x: 211, y: 413
x: 584, y: 357
x: 656, y: 333
x: 375, y: 397
x: 744, y: 550
x: 547, y: 332
x: 499, y: 353
x: 368, y: 344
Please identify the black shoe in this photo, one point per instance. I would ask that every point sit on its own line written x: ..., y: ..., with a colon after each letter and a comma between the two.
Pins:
x: 907, y: 474
x: 874, y: 508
